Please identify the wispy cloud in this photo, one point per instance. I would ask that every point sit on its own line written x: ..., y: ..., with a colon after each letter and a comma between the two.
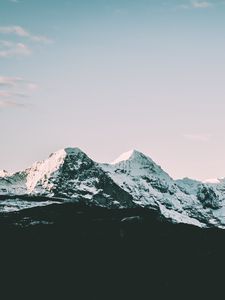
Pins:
x: 41, y: 39
x: 198, y: 137
x: 13, y: 82
x: 22, y: 32
x: 13, y: 90
x: 9, y: 49
x: 14, y: 1
x: 7, y: 94
x: 14, y: 30
x: 195, y: 5
x: 10, y: 103
x: 10, y: 81
x: 201, y: 4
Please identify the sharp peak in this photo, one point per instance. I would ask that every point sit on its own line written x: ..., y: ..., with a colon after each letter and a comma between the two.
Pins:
x: 73, y: 150
x: 131, y: 154
x: 68, y: 151
x: 56, y: 158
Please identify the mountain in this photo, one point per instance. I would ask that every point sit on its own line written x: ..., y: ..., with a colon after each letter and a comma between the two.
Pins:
x: 68, y: 173
x: 132, y: 180
x: 139, y: 175
x: 151, y: 187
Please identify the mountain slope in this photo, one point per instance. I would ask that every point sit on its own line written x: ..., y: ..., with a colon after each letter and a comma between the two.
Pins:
x: 152, y: 187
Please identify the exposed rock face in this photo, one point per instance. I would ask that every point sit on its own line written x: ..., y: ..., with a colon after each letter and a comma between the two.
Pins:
x: 208, y: 196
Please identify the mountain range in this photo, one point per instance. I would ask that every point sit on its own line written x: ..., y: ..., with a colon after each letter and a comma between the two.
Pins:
x: 132, y: 180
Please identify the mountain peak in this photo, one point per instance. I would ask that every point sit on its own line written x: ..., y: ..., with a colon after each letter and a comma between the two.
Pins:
x: 67, y: 151
x: 72, y: 151
x: 44, y: 173
x: 131, y: 154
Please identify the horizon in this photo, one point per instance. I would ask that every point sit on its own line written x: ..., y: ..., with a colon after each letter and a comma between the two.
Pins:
x: 111, y: 76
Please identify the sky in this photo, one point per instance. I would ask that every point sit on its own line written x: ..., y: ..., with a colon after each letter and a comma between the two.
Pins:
x: 108, y: 76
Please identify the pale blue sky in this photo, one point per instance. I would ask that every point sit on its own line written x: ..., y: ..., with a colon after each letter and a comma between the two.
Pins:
x: 112, y: 75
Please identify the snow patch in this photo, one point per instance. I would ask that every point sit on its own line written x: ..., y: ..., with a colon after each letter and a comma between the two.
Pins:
x: 212, y: 180
x: 124, y: 156
x: 4, y: 173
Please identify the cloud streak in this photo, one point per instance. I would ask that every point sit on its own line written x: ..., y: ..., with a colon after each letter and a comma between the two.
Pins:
x: 13, y: 89
x: 7, y: 94
x: 201, y: 4
x: 195, y: 5
x: 10, y: 103
x: 13, y: 82
x: 9, y: 49
x: 22, y: 32
x: 17, y: 30
x: 10, y: 81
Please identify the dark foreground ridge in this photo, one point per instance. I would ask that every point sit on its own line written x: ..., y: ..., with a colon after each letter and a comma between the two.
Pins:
x: 78, y: 251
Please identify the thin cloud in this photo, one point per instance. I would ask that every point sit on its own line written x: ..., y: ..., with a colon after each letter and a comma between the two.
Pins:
x: 13, y: 89
x: 195, y: 5
x: 10, y: 81
x: 17, y: 30
x: 9, y: 49
x: 10, y: 103
x: 41, y: 39
x: 201, y: 4
x: 16, y: 82
x: 22, y: 32
x: 7, y: 94
x: 198, y: 137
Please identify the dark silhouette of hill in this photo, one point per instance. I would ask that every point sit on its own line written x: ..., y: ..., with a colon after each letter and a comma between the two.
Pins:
x: 79, y: 251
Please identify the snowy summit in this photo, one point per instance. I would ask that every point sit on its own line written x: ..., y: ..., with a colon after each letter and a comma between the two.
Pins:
x: 124, y: 156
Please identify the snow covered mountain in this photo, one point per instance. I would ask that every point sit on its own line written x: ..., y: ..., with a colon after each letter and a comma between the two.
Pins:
x: 151, y: 187
x: 133, y: 179
x: 68, y: 173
